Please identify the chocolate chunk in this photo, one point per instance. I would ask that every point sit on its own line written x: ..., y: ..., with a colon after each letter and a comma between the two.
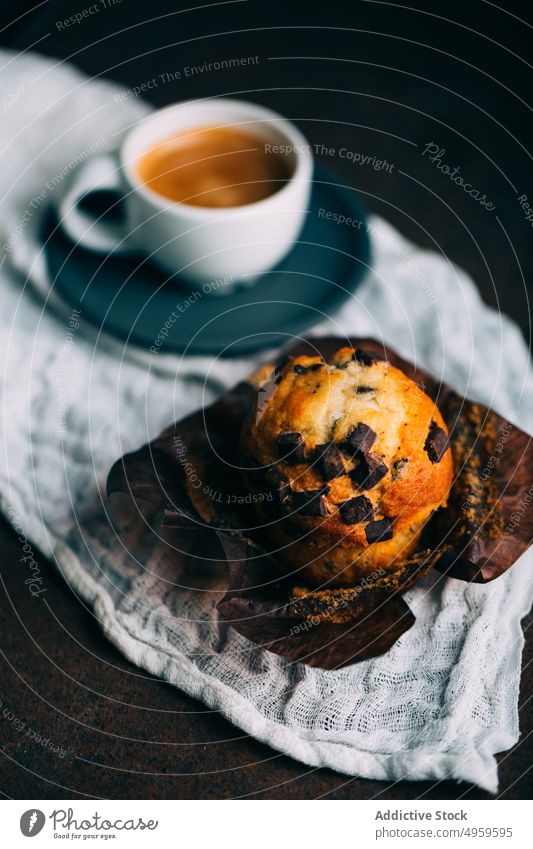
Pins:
x: 363, y: 357
x: 310, y: 502
x: 363, y: 390
x: 278, y: 484
x: 436, y: 443
x: 356, y: 510
x: 360, y: 439
x: 330, y: 461
x: 369, y: 471
x: 379, y: 530
x: 299, y: 369
x: 398, y: 468
x: 291, y: 447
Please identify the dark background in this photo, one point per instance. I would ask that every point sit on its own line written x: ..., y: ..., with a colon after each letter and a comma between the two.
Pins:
x: 379, y: 78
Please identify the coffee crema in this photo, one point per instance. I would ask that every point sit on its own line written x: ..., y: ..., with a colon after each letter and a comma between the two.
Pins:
x: 213, y: 167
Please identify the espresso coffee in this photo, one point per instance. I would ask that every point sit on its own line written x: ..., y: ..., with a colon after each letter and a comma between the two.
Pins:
x: 214, y: 167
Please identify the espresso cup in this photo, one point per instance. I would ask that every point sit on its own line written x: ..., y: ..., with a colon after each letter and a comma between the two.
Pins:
x: 198, y: 243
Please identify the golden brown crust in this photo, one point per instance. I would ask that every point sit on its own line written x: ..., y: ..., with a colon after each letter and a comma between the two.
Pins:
x: 352, y: 428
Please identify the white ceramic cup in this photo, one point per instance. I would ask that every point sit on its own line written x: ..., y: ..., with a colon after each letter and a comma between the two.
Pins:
x: 198, y: 243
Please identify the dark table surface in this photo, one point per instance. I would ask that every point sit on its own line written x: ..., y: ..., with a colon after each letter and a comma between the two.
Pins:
x: 384, y: 80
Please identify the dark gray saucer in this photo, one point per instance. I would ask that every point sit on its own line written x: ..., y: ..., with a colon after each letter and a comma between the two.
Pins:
x: 132, y: 299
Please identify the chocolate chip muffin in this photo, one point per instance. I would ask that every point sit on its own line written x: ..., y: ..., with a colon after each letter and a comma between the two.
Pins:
x: 346, y: 460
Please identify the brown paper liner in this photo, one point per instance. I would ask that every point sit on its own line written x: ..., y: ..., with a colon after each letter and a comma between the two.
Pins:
x: 190, y: 475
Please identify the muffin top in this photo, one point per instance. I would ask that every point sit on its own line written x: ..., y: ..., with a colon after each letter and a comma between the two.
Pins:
x: 351, y: 446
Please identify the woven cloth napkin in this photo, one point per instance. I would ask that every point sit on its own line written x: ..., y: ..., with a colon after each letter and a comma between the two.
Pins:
x: 443, y: 700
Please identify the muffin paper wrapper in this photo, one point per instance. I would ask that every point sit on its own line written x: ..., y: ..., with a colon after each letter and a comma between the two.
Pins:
x: 189, y: 480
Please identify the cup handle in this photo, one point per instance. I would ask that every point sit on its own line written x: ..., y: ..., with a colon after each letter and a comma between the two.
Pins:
x: 86, y: 213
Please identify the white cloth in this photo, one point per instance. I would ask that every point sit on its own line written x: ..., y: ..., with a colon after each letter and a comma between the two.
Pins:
x: 443, y: 700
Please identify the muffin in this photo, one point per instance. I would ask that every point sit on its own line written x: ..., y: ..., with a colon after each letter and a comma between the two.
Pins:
x: 346, y: 461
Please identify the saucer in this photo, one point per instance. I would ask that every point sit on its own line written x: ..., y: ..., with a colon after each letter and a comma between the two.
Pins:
x: 134, y: 300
